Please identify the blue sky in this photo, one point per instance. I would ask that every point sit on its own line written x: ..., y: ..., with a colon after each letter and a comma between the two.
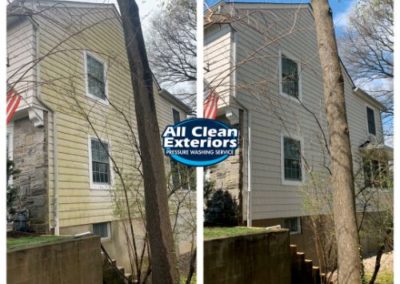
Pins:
x: 340, y: 8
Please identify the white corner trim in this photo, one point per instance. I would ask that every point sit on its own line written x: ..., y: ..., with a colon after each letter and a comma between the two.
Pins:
x: 94, y: 185
x: 281, y: 93
x: 89, y: 95
x: 285, y: 181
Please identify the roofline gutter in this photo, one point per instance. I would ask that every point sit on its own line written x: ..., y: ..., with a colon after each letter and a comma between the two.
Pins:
x: 369, y: 98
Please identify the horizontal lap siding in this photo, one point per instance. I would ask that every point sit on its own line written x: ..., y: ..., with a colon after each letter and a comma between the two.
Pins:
x: 218, y: 58
x: 165, y: 118
x: 273, y: 114
x: 64, y: 70
x: 21, y: 55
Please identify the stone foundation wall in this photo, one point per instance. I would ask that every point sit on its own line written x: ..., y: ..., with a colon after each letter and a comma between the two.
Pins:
x: 65, y: 261
x: 30, y: 156
x: 255, y: 258
x: 228, y: 174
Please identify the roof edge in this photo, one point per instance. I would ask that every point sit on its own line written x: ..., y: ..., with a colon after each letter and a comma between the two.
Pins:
x: 174, y: 100
x: 367, y: 97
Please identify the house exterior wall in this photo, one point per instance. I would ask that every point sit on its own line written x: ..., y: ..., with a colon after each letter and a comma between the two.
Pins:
x: 63, y: 43
x: 64, y: 34
x: 21, y: 50
x: 263, y: 33
x: 218, y: 59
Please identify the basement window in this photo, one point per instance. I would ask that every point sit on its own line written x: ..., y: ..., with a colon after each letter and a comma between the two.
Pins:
x: 103, y: 230
x: 293, y: 224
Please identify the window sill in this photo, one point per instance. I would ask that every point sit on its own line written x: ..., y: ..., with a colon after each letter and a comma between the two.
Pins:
x: 292, y: 182
x: 95, y: 186
x: 105, y: 240
x: 296, y: 99
x: 97, y: 99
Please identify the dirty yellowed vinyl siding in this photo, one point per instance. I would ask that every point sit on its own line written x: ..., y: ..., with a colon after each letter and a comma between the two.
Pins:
x: 165, y: 117
x: 64, y: 69
x: 21, y: 54
x: 218, y: 60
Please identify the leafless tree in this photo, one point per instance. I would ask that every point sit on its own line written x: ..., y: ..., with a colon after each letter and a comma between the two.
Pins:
x: 367, y: 49
x: 130, y: 199
x: 156, y: 200
x: 344, y: 212
x: 172, y: 47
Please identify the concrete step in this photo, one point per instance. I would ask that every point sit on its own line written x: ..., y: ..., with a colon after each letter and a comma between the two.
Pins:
x: 129, y: 276
x: 121, y: 269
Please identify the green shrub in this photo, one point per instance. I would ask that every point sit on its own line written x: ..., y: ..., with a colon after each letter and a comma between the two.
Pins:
x: 221, y: 210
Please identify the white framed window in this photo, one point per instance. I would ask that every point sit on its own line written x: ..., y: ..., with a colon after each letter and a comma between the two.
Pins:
x: 289, y: 76
x: 376, y: 173
x: 293, y: 224
x: 96, y: 77
x: 99, y: 163
x: 291, y: 160
x: 103, y: 230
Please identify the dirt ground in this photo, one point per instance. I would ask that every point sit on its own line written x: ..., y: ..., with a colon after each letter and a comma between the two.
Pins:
x: 385, y: 271
x: 386, y: 263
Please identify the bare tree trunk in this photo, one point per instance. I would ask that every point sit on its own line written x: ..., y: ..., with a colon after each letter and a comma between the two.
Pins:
x: 162, y: 249
x: 349, y: 266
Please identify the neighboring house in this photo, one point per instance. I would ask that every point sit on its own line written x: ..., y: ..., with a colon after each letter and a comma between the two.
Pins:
x: 68, y: 61
x: 263, y: 61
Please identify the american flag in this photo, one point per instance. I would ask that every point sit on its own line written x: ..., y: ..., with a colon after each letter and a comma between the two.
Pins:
x: 211, y: 105
x: 13, y: 100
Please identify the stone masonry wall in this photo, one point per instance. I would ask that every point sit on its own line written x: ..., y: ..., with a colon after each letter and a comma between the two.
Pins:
x: 30, y: 156
x: 257, y: 258
x: 227, y: 175
x: 76, y: 261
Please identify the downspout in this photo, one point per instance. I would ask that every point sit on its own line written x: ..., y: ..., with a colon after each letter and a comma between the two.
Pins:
x: 249, y: 213
x: 56, y: 224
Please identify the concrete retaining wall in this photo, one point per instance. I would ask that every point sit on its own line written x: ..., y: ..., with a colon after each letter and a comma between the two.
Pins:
x: 75, y: 261
x: 257, y: 258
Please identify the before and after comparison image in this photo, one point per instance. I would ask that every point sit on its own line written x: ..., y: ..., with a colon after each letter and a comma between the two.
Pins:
x: 210, y: 141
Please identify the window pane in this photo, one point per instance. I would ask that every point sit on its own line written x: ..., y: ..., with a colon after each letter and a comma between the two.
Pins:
x: 100, y: 162
x: 292, y: 159
x: 290, y: 77
x: 95, y: 74
x: 292, y: 224
x: 102, y: 229
x: 176, y: 115
x: 371, y: 121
